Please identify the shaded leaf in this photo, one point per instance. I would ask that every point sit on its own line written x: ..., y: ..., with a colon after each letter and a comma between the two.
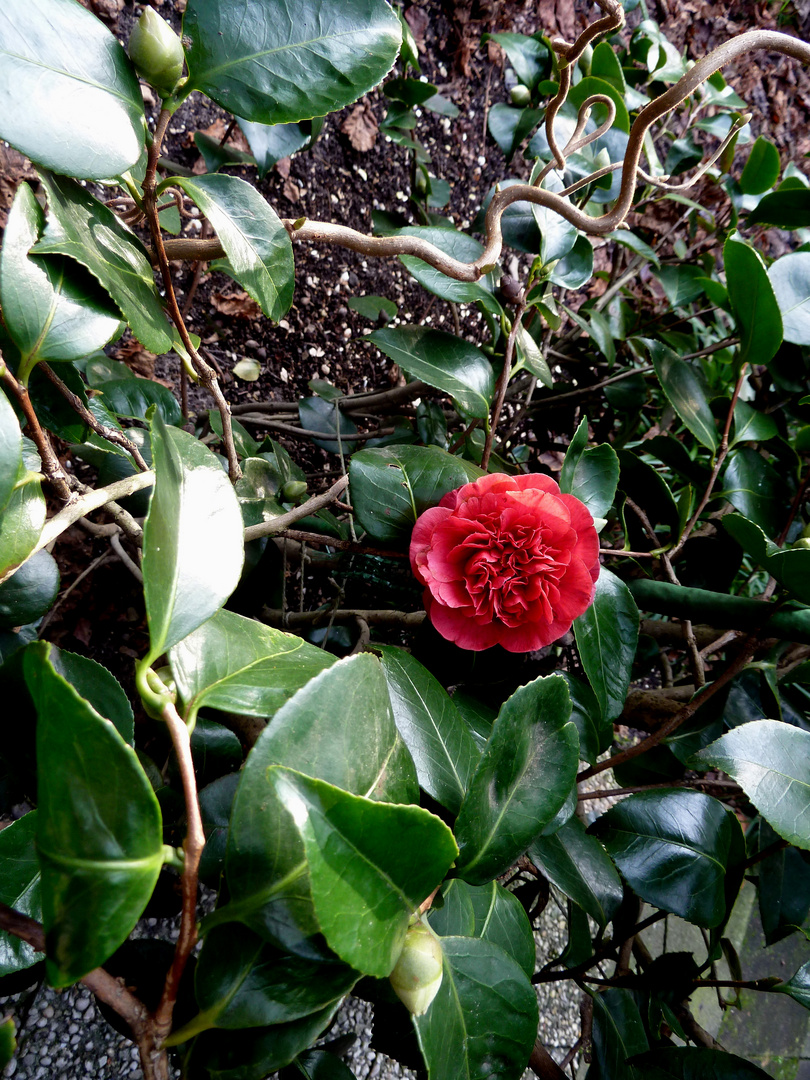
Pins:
x: 754, y: 487
x: 590, y: 473
x: 29, y: 592
x: 683, y: 385
x: 761, y: 170
x: 490, y: 912
x: 695, y: 1063
x: 20, y: 889
x: 10, y: 449
x: 606, y: 636
x: 21, y: 522
x: 618, y: 1034
x: 578, y: 865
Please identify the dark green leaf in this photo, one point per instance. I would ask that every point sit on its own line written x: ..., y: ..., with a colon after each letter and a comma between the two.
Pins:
x: 391, y: 486
x: 790, y: 278
x: 752, y: 426
x: 635, y: 244
x: 52, y: 308
x: 595, y: 734
x: 20, y: 889
x: 605, y: 65
x: 522, y: 780
x: 770, y: 760
x: 459, y: 246
x: 216, y: 801
x: 364, y: 889
x: 440, y: 743
x: 98, y: 687
x: 272, y: 142
x: 672, y: 847
x: 786, y: 209
x: 606, y: 636
x: 30, y: 592
x: 478, y: 717
x: 411, y: 91
x: 509, y: 126
x: 133, y: 398
x: 240, y: 665
x: 591, y: 474
x: 250, y: 57
x: 443, y: 361
x: 52, y: 52
x: 82, y: 228
x: 683, y: 385
x: 372, y: 307
x: 490, y: 912
x: 756, y: 312
x: 618, y: 1034
x: 192, y: 546
x: 257, y: 245
x: 483, y: 1021
x: 783, y: 883
x: 695, y: 1063
x: 579, y: 866
x: 529, y: 56
x: 592, y: 85
x: 10, y: 449
x: 789, y: 566
x: 99, y: 832
x: 648, y: 488
x: 216, y: 155
x: 761, y: 170
x: 754, y: 487
x: 316, y: 414
x: 576, y: 267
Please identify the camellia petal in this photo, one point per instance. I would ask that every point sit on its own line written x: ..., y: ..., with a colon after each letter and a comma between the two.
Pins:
x: 506, y: 560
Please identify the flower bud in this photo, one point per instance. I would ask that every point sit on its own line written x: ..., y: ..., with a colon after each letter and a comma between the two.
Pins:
x: 520, y: 94
x: 157, y: 52
x: 293, y: 490
x: 417, y: 975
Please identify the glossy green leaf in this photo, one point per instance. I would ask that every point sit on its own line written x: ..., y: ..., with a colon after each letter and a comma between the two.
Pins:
x: 522, y: 780
x: 256, y: 243
x: 618, y: 1034
x: 10, y: 449
x: 483, y: 1021
x: 754, y: 487
x: 192, y: 545
x: 21, y: 522
x: 645, y: 485
x: 98, y: 687
x: 590, y: 473
x: 783, y: 882
x: 132, y: 399
x: 756, y: 311
x: 243, y: 666
x: 99, y: 831
x: 635, y: 244
x: 790, y: 278
x: 790, y: 566
x: 490, y: 912
x: 338, y: 728
x: 606, y: 636
x: 761, y: 170
x: 52, y: 308
x: 270, y: 143
x: 443, y: 361
x: 798, y: 986
x: 440, y: 743
x: 786, y: 209
x: 391, y: 486
x: 317, y: 414
x: 364, y: 888
x: 598, y: 330
x: 509, y: 126
x: 216, y: 801
x: 242, y: 982
x: 531, y: 358
x: 695, y: 1063
x: 317, y: 1065
x: 8, y: 1041
x: 752, y: 426
x: 672, y: 847
x: 528, y: 55
x: 289, y: 61
x: 605, y: 65
x: 216, y: 155
x: 20, y: 889
x: 593, y: 85
x: 770, y: 760
x: 459, y: 246
x: 595, y: 734
x: 578, y: 865
x: 373, y: 307
x: 683, y: 385
x: 29, y: 592
x: 82, y: 228
x: 56, y: 52
x: 576, y: 267
x: 557, y: 235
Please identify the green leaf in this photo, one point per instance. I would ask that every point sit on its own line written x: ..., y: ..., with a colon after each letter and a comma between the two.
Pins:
x: 683, y: 385
x: 373, y: 307
x: 509, y: 126
x: 134, y: 397
x: 99, y: 832
x: 522, y: 780
x: 605, y: 65
x: 256, y: 243
x: 318, y: 1065
x: 55, y: 52
x: 392, y: 485
x: 557, y: 235
x: 528, y: 55
x: 98, y: 687
x: 243, y: 666
x: 754, y: 487
x: 761, y: 170
x: 673, y: 849
x: 598, y: 330
x: 606, y: 636
x: 756, y: 312
x: 20, y: 889
x: 790, y: 278
x: 591, y: 474
x: 216, y: 801
x: 8, y: 1041
x: 411, y: 91
x: 592, y: 85
x: 787, y: 208
x: 483, y: 1021
x: 192, y: 545
x: 695, y: 1063
x: 443, y: 361
x: 440, y: 743
x: 291, y: 61
x: 595, y: 734
x: 338, y: 728
x: 530, y: 356
x: 646, y: 486
x: 459, y: 246
x: 790, y: 566
x: 82, y: 228
x: 316, y: 414
x: 576, y: 267
x: 578, y: 865
x: 21, y: 523
x: 798, y: 986
x: 618, y: 1034
x: 270, y: 143
x: 52, y: 308
x: 490, y: 912
x: 364, y: 888
x: 771, y: 763
x: 30, y: 591
x: 10, y: 449
x: 752, y: 426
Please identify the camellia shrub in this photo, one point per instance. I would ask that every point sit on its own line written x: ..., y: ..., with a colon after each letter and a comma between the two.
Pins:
x: 390, y: 823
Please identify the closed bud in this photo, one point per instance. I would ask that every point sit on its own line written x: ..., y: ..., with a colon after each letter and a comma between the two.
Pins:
x: 157, y: 52
x: 520, y: 94
x: 417, y: 975
x: 293, y: 490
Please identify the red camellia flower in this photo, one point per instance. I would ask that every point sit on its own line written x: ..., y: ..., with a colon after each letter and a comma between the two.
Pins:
x: 506, y: 560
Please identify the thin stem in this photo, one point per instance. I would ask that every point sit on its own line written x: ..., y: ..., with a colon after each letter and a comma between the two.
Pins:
x: 503, y: 379
x: 51, y: 465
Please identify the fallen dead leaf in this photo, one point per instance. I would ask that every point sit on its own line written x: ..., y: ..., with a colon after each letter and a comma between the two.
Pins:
x: 137, y: 359
x: 418, y: 20
x: 361, y: 127
x: 291, y: 190
x: 283, y: 167
x: 237, y: 304
x: 106, y: 10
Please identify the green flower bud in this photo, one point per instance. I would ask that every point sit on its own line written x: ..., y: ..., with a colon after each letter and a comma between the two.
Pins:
x: 157, y: 52
x: 520, y: 94
x: 417, y: 975
x: 293, y: 490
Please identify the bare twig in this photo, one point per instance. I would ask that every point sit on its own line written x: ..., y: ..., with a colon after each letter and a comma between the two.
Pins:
x: 51, y: 465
